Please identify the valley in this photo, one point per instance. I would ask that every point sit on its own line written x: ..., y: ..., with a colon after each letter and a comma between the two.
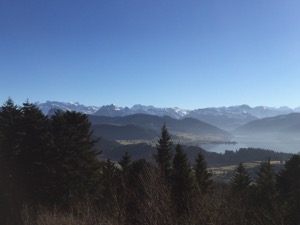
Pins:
x: 215, y: 129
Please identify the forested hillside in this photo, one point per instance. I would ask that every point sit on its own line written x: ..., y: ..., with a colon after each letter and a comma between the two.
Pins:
x: 114, y: 151
x: 185, y: 129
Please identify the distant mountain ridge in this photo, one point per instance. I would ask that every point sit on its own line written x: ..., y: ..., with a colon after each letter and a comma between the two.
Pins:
x: 113, y: 110
x: 227, y: 118
x: 48, y: 106
x: 239, y: 111
x: 282, y: 124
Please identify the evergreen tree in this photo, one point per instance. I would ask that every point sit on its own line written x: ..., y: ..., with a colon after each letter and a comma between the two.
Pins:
x: 75, y: 166
x: 123, y: 187
x: 11, y: 191
x: 10, y: 138
x: 182, y: 181
x: 264, y: 200
x: 110, y: 184
x: 289, y: 185
x: 138, y: 169
x: 240, y: 179
x: 125, y: 163
x: 202, y: 176
x: 164, y: 154
x: 266, y: 183
x: 34, y: 151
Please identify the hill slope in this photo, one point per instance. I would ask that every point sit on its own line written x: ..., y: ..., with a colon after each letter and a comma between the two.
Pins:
x: 124, y: 132
x: 185, y: 129
x: 278, y: 125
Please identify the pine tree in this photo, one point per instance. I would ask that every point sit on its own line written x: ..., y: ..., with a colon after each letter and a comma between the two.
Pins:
x: 123, y: 186
x: 202, y: 175
x: 110, y: 183
x: 11, y: 189
x: 182, y: 181
x: 289, y: 185
x: 264, y: 198
x: 266, y: 183
x: 10, y: 137
x: 35, y: 147
x: 164, y: 154
x: 125, y: 163
x: 240, y: 179
x: 75, y: 166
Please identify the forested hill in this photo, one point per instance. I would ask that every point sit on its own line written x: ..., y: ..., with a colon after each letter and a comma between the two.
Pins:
x: 124, y: 132
x: 146, y: 151
x: 179, y: 127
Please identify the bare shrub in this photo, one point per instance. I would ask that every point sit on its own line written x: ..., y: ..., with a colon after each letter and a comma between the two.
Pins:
x: 153, y: 206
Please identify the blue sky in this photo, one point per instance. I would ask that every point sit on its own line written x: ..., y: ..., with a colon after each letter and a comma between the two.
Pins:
x: 190, y: 54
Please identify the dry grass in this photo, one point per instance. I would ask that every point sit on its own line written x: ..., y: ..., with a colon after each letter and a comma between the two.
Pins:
x: 134, y: 142
x: 77, y: 216
x: 247, y: 165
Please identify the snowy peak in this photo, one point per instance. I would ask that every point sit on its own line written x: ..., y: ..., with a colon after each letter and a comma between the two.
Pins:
x: 66, y: 106
x: 236, y: 114
x: 112, y: 110
x: 242, y: 111
x: 229, y: 118
x: 172, y: 112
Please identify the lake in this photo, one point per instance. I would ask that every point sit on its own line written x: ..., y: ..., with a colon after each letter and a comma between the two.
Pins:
x: 276, y: 144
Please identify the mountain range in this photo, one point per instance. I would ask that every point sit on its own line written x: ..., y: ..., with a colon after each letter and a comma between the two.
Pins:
x: 227, y: 118
x: 48, y: 106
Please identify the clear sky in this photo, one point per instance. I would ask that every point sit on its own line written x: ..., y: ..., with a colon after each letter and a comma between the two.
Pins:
x: 166, y: 53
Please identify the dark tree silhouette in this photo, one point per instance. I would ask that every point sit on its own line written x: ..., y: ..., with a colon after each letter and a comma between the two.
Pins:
x: 125, y: 163
x: 74, y: 160
x: 240, y: 179
x: 182, y: 181
x: 289, y: 186
x: 202, y: 175
x: 266, y: 183
x: 11, y: 189
x: 164, y: 154
x: 35, y: 149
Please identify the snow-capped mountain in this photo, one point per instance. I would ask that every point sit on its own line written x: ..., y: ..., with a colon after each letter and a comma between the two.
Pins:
x: 236, y: 112
x: 113, y: 110
x: 264, y: 111
x: 172, y: 112
x: 243, y: 111
x: 227, y: 118
x: 66, y: 106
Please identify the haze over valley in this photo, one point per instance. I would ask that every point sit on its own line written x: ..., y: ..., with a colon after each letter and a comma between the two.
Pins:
x: 215, y: 129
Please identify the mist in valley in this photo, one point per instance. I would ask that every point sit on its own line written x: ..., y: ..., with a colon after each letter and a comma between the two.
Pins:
x: 284, y: 144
